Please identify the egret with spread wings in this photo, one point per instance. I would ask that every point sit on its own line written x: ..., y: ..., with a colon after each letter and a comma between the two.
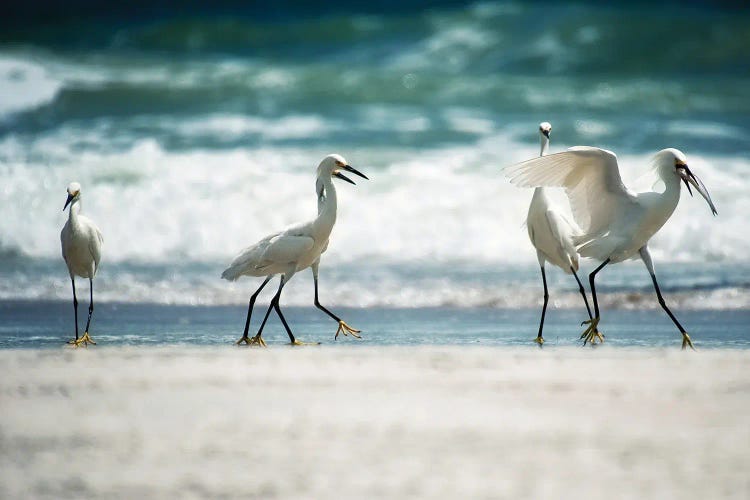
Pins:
x: 294, y: 249
x: 616, y: 222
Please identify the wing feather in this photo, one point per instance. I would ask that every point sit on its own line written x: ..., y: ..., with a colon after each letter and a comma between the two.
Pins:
x: 591, y: 179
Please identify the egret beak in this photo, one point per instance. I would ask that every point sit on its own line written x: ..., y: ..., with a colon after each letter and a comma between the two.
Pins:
x: 67, y: 202
x: 546, y: 133
x: 689, y: 178
x: 343, y: 177
x: 351, y: 169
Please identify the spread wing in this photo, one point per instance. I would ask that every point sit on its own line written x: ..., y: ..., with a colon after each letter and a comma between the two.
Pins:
x: 591, y: 179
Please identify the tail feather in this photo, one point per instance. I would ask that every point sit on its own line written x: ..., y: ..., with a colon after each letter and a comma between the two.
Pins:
x: 231, y: 273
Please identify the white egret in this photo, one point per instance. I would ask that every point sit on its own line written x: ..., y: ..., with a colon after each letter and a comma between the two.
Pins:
x: 294, y: 249
x: 552, y: 235
x: 617, y: 223
x: 81, y: 244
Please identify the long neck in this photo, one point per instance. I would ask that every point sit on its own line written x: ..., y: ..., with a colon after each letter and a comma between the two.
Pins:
x: 542, y: 151
x: 75, y: 207
x: 544, y: 145
x: 671, y: 195
x: 326, y: 203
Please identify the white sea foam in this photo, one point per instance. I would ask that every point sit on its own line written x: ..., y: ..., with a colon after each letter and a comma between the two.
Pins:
x: 24, y: 85
x: 439, y: 204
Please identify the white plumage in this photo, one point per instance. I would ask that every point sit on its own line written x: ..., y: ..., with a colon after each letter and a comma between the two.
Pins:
x: 294, y: 249
x: 81, y: 243
x: 552, y: 234
x: 616, y: 222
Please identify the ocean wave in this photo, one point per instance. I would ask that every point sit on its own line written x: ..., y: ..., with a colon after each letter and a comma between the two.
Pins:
x: 406, y: 286
x: 24, y: 85
x: 441, y: 204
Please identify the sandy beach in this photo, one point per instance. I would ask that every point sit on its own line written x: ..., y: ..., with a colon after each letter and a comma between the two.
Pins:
x: 374, y: 422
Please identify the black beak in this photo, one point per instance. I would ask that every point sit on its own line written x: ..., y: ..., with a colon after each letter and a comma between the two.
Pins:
x: 546, y: 133
x: 689, y: 178
x: 345, y: 178
x: 67, y: 202
x: 353, y: 170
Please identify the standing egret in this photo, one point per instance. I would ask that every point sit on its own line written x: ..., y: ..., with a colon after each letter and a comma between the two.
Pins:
x: 617, y: 223
x: 82, y: 249
x: 552, y: 235
x: 294, y: 249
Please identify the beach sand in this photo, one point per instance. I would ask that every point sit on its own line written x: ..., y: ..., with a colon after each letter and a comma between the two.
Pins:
x: 374, y: 422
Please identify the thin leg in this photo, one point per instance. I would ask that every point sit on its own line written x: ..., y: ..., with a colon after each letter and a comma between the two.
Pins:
x: 593, y: 287
x: 539, y: 339
x: 591, y: 333
x: 268, y: 311
x: 254, y: 296
x: 275, y: 303
x: 343, y: 327
x: 91, y: 303
x: 75, y: 304
x: 646, y: 256
x: 583, y: 292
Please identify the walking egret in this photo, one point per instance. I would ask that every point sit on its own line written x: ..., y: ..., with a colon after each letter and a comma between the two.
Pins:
x: 294, y: 249
x: 81, y: 244
x: 552, y: 235
x: 616, y: 222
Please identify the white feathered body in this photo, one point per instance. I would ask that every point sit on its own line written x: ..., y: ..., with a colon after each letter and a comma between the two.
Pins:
x: 615, y: 222
x: 551, y: 233
x: 297, y: 247
x: 81, y: 244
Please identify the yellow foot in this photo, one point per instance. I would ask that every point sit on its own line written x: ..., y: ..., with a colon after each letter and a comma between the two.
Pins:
x: 299, y: 342
x: 591, y: 334
x: 254, y: 341
x: 85, y: 340
x: 346, y: 330
x: 686, y: 341
x: 539, y: 340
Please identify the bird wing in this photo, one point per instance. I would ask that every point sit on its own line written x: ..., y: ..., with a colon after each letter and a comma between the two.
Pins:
x: 591, y: 179
x: 285, y: 248
x: 562, y: 231
x: 95, y: 245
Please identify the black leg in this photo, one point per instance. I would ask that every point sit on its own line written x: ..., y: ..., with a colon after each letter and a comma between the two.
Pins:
x: 75, y: 304
x: 583, y: 292
x: 275, y: 305
x: 593, y: 287
x: 319, y: 305
x: 539, y: 337
x: 91, y: 304
x: 646, y: 256
x: 663, y: 304
x: 281, y: 316
x: 251, y: 304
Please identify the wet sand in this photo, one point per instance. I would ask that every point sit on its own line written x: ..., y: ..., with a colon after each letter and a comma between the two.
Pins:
x: 374, y: 422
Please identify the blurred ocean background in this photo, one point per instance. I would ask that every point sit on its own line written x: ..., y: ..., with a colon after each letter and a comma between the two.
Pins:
x: 196, y: 130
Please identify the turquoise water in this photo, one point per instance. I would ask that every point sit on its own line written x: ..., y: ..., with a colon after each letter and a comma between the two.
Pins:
x: 195, y: 131
x: 50, y: 324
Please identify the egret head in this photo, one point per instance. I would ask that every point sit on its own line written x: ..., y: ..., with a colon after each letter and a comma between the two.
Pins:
x: 545, y: 128
x: 74, y: 194
x: 333, y: 165
x: 676, y: 160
